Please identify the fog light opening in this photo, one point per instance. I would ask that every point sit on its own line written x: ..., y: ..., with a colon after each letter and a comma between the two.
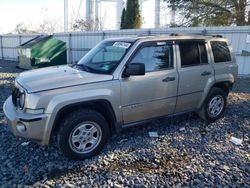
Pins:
x: 21, y: 127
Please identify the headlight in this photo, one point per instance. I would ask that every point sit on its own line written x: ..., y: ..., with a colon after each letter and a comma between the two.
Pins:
x: 21, y: 100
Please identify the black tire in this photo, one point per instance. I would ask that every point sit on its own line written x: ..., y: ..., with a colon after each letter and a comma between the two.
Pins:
x: 73, y: 123
x: 205, y: 112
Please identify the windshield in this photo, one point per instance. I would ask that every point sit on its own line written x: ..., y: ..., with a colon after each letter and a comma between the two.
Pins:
x: 105, y: 57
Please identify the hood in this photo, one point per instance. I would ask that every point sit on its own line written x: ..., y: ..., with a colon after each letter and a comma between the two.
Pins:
x: 57, y: 77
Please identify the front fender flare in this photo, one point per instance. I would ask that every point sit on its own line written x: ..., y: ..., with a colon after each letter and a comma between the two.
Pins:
x: 60, y: 101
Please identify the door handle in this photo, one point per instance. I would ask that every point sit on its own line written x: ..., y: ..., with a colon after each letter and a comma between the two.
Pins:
x: 168, y: 79
x: 205, y: 73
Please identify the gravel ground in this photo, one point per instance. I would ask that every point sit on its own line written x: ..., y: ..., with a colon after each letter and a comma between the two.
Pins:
x: 186, y: 153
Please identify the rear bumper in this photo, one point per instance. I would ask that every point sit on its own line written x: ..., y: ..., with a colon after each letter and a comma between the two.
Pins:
x: 34, y: 124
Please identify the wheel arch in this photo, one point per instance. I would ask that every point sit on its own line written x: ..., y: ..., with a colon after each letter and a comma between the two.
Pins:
x: 102, y: 106
x: 204, y: 110
x: 224, y: 85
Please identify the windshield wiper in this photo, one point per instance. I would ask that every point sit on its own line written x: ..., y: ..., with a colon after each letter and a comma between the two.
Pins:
x: 84, y: 67
x: 89, y: 69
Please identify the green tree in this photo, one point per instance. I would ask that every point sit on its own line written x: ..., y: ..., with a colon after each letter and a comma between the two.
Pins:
x: 211, y: 12
x: 248, y: 18
x: 132, y: 15
x: 122, y: 26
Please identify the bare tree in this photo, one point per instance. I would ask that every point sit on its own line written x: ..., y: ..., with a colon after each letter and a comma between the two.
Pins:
x: 83, y: 25
x: 89, y: 25
x: 21, y: 28
x: 48, y: 25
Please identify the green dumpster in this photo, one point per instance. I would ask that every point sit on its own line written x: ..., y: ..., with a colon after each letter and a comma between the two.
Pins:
x: 42, y: 51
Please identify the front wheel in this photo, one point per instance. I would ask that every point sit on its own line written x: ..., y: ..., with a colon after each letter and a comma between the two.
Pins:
x: 214, y: 106
x: 83, y: 133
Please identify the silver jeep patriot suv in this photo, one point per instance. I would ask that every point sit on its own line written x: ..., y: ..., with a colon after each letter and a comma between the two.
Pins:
x: 119, y: 83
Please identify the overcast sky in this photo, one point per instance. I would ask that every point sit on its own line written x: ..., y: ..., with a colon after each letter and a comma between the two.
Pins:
x: 32, y: 13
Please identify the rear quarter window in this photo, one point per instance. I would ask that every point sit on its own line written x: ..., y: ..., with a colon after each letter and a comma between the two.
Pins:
x: 220, y: 51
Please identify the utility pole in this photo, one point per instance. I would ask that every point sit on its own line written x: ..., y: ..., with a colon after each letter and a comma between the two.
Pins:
x: 119, y: 8
x: 157, y: 13
x: 172, y: 13
x: 65, y: 15
x: 90, y: 13
x: 97, y: 21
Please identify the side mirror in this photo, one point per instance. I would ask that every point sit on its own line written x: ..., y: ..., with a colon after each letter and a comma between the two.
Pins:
x: 135, y: 69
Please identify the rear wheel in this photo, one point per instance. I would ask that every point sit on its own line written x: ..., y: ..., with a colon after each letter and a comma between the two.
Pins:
x: 83, y: 133
x: 214, y: 106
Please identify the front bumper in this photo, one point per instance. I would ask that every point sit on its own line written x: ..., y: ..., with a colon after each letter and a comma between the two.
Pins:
x: 34, y: 124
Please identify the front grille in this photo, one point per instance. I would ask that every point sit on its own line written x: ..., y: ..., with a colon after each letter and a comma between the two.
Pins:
x: 15, y: 94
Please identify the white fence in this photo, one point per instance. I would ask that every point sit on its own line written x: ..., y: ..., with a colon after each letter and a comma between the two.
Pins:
x: 78, y: 43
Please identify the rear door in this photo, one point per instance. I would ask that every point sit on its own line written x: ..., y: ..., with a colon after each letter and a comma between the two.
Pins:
x: 195, y: 71
x: 153, y: 94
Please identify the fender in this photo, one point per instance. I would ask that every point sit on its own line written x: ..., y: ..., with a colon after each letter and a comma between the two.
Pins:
x: 228, y: 77
x: 212, y: 82
x: 60, y: 101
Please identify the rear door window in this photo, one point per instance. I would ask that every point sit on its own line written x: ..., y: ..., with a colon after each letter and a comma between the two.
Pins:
x: 192, y: 53
x: 220, y: 51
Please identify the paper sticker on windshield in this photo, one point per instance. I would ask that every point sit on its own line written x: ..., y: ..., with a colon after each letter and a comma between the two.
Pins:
x: 121, y: 44
x: 161, y: 43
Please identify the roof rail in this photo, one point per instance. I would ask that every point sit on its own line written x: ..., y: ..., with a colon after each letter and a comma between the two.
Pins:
x: 145, y: 34
x: 192, y: 34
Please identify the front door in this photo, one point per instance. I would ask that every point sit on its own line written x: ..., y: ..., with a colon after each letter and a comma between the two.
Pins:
x: 154, y: 94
